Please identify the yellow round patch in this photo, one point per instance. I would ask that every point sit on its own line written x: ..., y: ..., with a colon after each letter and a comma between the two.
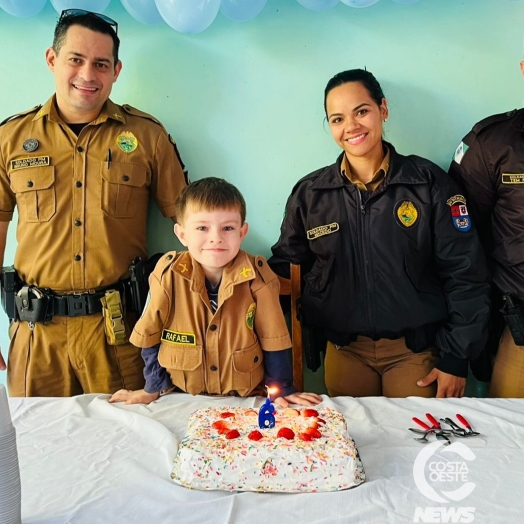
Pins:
x: 407, y: 213
x: 250, y: 315
x: 127, y: 142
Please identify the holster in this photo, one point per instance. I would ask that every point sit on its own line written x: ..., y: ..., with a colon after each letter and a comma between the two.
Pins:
x: 139, y: 272
x: 10, y: 283
x: 314, y: 341
x: 513, y: 314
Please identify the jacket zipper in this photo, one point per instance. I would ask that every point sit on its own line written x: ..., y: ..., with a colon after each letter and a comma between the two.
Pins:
x: 365, y: 261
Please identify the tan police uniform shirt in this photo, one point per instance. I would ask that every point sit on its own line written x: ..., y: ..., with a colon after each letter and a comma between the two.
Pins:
x: 378, y: 176
x: 215, y: 353
x: 82, y: 201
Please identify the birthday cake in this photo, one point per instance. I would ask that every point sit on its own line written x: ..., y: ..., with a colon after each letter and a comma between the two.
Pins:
x: 307, y: 450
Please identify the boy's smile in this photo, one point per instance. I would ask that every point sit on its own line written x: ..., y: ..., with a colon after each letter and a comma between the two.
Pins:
x: 212, y: 238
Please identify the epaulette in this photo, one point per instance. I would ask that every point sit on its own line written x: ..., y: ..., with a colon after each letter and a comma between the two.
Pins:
x: 494, y: 119
x: 18, y: 115
x: 164, y: 263
x: 263, y: 268
x: 136, y: 112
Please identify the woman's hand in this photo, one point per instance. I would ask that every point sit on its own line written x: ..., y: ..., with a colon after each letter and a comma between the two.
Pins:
x: 448, y: 385
x: 302, y: 399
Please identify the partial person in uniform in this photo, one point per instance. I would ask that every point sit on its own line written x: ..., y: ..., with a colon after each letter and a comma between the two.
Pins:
x: 213, y: 324
x: 81, y: 170
x: 489, y: 165
x: 393, y: 268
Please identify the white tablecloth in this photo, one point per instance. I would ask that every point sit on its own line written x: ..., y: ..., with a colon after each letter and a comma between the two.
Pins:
x: 84, y: 460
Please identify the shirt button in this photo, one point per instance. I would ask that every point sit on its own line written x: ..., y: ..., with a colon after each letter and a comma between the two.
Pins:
x: 125, y: 178
x: 169, y: 257
x: 213, y: 368
x: 260, y: 263
x: 30, y: 184
x: 79, y: 149
x: 78, y: 223
x: 255, y: 360
x: 78, y: 184
x: 78, y: 258
x: 213, y: 327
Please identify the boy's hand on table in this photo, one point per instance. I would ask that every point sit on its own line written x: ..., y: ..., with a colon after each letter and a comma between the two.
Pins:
x: 139, y: 396
x: 302, y: 399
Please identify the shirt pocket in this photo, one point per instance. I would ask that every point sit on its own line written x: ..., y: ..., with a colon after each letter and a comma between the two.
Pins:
x: 35, y: 193
x: 184, y: 364
x: 248, y: 370
x: 123, y: 186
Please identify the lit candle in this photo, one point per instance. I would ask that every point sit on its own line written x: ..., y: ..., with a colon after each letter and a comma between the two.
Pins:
x: 266, y: 419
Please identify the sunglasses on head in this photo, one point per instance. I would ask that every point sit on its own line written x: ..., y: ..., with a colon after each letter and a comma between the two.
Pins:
x: 71, y: 13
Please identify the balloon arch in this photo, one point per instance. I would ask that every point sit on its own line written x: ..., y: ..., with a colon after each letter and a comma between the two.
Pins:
x: 185, y: 16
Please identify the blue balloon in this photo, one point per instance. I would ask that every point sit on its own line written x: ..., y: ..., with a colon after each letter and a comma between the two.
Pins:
x: 22, y: 8
x: 359, y: 3
x: 318, y: 5
x: 144, y: 11
x: 188, y: 16
x: 242, y: 10
x: 96, y: 6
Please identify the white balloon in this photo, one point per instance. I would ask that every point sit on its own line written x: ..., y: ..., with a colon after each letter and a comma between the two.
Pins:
x: 22, y: 8
x: 188, y: 16
x: 144, y: 11
x: 318, y: 5
x: 95, y: 6
x: 359, y: 3
x: 242, y: 10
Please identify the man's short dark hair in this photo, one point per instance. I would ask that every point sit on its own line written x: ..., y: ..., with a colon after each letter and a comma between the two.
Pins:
x: 210, y: 194
x: 89, y: 21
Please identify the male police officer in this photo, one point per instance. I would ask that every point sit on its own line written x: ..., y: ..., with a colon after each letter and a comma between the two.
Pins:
x: 489, y: 164
x: 80, y: 169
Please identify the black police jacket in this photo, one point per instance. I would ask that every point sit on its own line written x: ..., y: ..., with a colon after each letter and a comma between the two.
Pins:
x: 404, y: 260
x: 489, y: 165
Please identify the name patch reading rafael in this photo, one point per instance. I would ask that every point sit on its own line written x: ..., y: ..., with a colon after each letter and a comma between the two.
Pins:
x: 320, y: 231
x: 174, y: 337
x: 35, y: 161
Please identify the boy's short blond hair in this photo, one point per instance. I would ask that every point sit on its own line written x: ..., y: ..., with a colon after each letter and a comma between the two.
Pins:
x: 210, y: 194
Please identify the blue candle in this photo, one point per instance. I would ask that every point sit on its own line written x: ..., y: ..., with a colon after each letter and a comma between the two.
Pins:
x: 266, y: 419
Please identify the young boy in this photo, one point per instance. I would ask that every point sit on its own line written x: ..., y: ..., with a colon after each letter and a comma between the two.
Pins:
x: 213, y: 324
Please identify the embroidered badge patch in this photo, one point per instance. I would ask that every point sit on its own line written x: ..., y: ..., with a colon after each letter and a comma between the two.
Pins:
x: 250, y: 315
x: 174, y: 337
x: 460, y: 152
x: 320, y: 231
x: 459, y: 213
x: 407, y: 213
x: 30, y: 145
x: 127, y: 142
x: 513, y: 178
x: 35, y: 161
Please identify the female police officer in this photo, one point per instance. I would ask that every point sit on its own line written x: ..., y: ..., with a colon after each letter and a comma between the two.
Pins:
x: 395, y: 272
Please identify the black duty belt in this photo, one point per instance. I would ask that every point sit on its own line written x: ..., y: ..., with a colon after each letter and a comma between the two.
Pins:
x: 77, y: 304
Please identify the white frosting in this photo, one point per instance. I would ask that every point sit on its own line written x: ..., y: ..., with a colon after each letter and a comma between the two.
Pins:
x: 206, y: 459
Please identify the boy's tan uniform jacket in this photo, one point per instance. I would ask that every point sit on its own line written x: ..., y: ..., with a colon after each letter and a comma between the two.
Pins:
x: 215, y: 353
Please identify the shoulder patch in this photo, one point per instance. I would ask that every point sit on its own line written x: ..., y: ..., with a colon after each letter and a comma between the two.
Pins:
x: 18, y: 115
x: 264, y: 270
x: 136, y: 112
x: 494, y: 119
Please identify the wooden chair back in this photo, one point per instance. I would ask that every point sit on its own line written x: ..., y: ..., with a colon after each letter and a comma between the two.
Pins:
x: 291, y: 287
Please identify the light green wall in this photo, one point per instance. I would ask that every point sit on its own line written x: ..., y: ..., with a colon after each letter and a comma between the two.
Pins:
x: 244, y: 100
